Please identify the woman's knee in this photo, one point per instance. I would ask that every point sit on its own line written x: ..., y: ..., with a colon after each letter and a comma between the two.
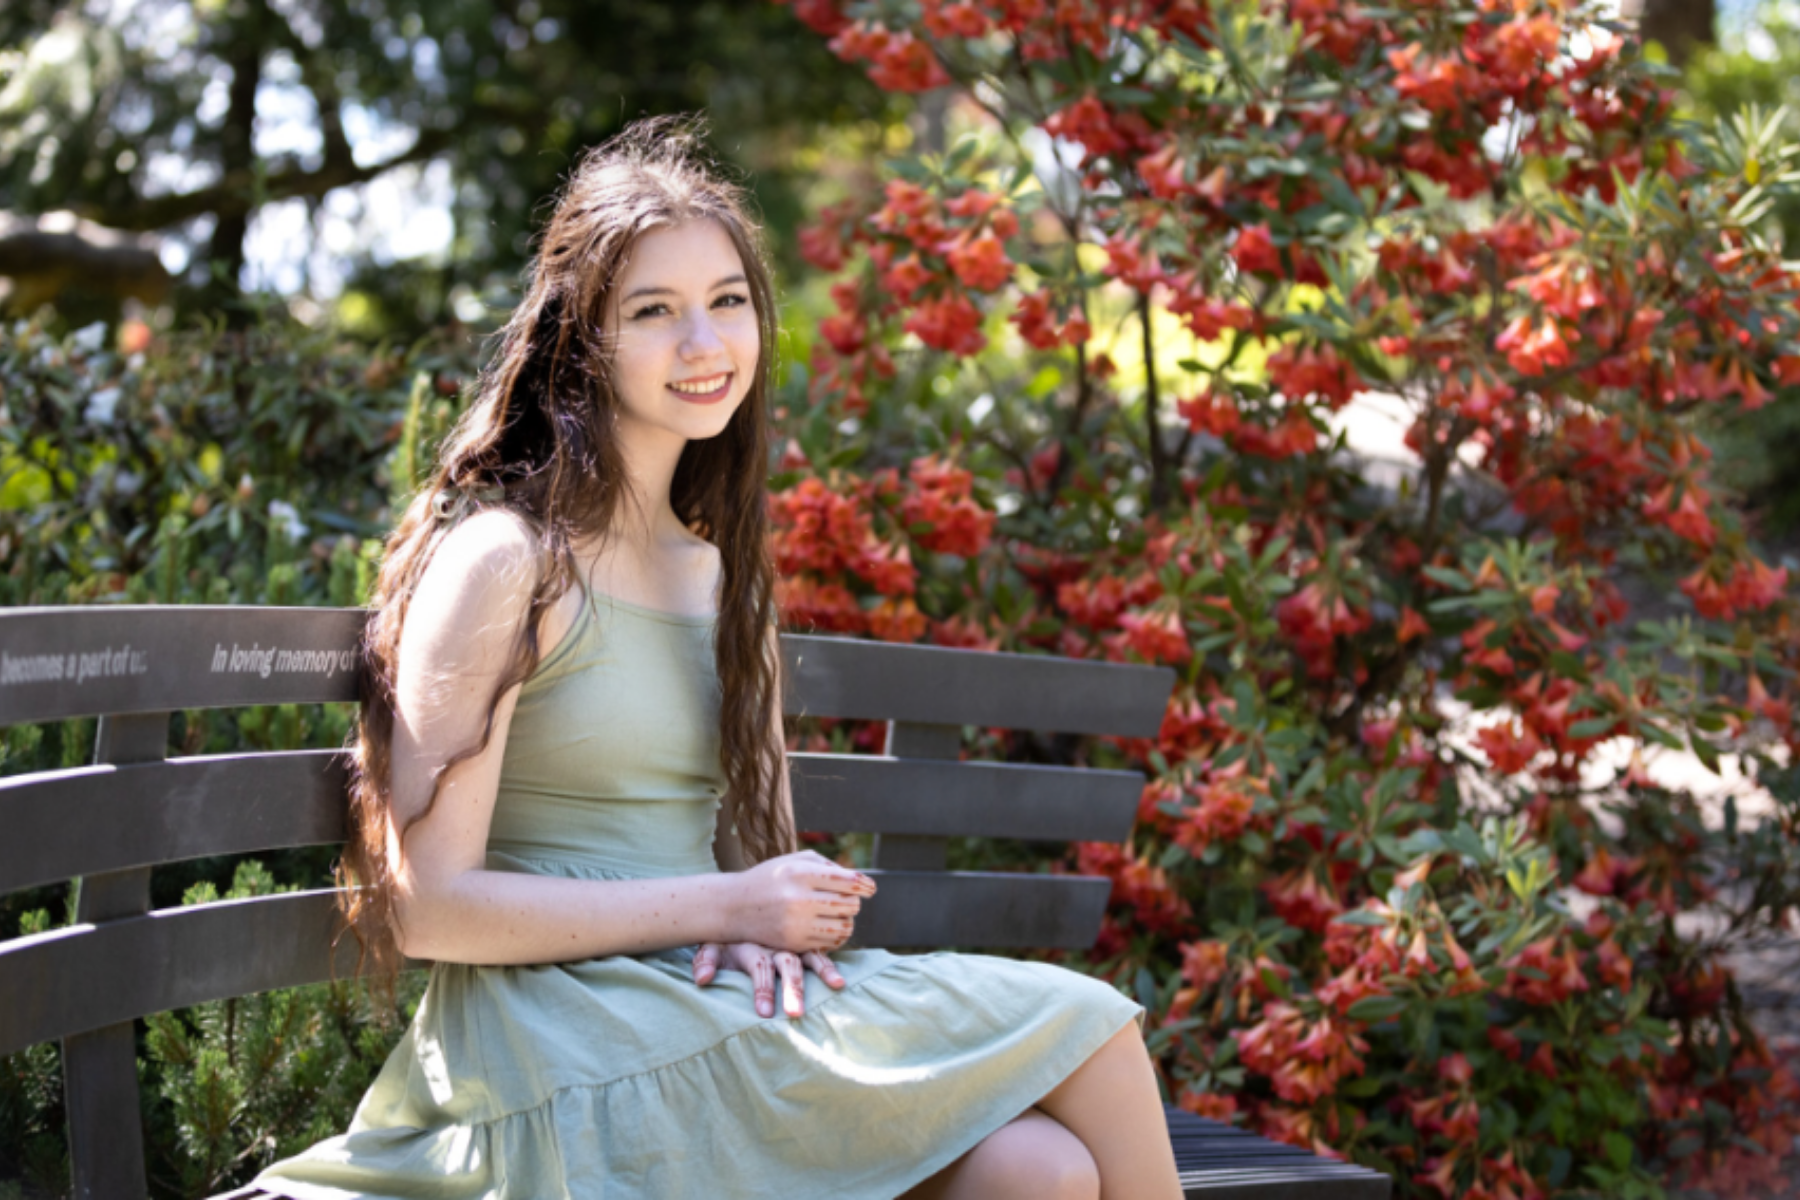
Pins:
x: 1034, y: 1156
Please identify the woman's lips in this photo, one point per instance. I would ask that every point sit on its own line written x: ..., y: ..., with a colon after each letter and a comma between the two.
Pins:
x: 712, y: 396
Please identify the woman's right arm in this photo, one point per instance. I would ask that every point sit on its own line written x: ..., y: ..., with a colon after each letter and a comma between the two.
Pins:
x: 460, y: 632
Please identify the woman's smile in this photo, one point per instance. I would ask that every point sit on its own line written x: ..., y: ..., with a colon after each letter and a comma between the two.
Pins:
x: 709, y: 390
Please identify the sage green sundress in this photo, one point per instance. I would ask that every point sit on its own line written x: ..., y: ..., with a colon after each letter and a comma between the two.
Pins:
x: 618, y: 1078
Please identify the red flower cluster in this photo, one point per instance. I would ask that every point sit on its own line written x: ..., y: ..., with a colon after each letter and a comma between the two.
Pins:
x: 1220, y: 809
x: 1751, y: 586
x: 1101, y: 131
x: 1206, y: 316
x: 1303, y: 1059
x: 819, y: 530
x: 1292, y: 435
x: 1256, y: 253
x: 1313, y: 618
x: 1541, y: 974
x: 1210, y: 412
x: 1138, y: 886
x: 1302, y: 899
x: 947, y: 19
x: 949, y: 323
x: 1313, y: 373
x: 827, y: 607
x: 897, y: 620
x: 941, y: 511
x: 1156, y: 636
x: 1038, y: 325
x: 898, y: 62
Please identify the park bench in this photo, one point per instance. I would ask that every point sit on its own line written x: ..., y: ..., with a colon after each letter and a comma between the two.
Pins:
x: 111, y: 823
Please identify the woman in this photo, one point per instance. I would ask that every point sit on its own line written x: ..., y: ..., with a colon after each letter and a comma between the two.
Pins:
x: 572, y: 725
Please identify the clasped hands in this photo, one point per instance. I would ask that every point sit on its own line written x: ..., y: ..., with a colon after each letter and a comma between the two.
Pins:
x: 793, y: 910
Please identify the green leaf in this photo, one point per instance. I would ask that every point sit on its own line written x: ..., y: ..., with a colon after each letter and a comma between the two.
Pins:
x: 1378, y: 1008
x: 962, y: 152
x: 1706, y: 752
x: 1560, y: 1161
x: 1361, y: 916
x: 1448, y: 576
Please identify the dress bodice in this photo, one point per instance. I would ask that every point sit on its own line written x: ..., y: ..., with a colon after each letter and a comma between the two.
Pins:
x: 612, y: 758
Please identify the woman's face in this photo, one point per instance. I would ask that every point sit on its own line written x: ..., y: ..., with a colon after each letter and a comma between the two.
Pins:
x: 684, y: 332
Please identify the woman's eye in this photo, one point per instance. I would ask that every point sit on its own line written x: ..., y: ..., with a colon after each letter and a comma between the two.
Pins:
x: 652, y: 310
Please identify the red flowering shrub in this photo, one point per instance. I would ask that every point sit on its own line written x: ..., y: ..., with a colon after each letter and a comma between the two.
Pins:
x: 1404, y: 886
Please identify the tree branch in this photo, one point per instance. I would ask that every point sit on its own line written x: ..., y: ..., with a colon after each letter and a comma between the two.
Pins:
x: 238, y: 192
x: 320, y: 78
x: 1159, y: 454
x: 43, y: 255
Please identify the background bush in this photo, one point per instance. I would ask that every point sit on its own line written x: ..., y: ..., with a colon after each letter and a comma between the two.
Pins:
x: 1405, y: 886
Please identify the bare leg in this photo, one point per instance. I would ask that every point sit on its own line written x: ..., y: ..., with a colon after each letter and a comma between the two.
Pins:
x: 1031, y: 1158
x: 1112, y: 1105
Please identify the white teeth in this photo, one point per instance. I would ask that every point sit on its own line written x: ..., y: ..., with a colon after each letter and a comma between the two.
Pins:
x: 699, y: 387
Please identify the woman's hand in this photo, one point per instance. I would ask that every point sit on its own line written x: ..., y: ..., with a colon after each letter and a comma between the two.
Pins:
x: 762, y: 965
x: 799, y: 902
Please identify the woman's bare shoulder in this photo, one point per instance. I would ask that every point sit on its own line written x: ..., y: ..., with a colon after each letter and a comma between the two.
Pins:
x: 477, y: 587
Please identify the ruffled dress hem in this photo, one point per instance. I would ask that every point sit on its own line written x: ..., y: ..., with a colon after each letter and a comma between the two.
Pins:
x: 573, y: 1144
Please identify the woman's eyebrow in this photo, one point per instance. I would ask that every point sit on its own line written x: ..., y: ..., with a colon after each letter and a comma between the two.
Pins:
x: 634, y: 293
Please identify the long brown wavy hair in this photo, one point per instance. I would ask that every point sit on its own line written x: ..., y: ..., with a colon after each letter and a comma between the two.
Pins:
x: 537, y: 440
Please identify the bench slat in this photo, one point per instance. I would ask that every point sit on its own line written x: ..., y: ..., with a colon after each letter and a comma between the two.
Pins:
x: 105, y: 818
x: 83, y: 977
x: 936, y: 685
x: 65, y: 662
x: 990, y: 910
x: 78, y: 662
x: 843, y: 793
x: 61, y: 824
x: 1220, y: 1162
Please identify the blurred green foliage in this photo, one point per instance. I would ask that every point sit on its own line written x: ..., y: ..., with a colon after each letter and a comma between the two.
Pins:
x: 250, y: 467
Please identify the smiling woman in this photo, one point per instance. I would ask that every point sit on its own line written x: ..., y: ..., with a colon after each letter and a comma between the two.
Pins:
x: 570, y: 748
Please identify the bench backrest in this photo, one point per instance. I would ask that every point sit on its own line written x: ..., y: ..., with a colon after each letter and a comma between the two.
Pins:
x: 110, y: 823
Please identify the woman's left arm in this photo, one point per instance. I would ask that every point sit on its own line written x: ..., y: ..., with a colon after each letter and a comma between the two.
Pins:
x: 761, y: 963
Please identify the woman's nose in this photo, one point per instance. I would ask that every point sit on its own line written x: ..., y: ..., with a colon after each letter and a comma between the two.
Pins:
x: 700, y: 340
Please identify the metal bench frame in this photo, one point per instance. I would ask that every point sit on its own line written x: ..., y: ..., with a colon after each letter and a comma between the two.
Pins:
x: 107, y: 825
